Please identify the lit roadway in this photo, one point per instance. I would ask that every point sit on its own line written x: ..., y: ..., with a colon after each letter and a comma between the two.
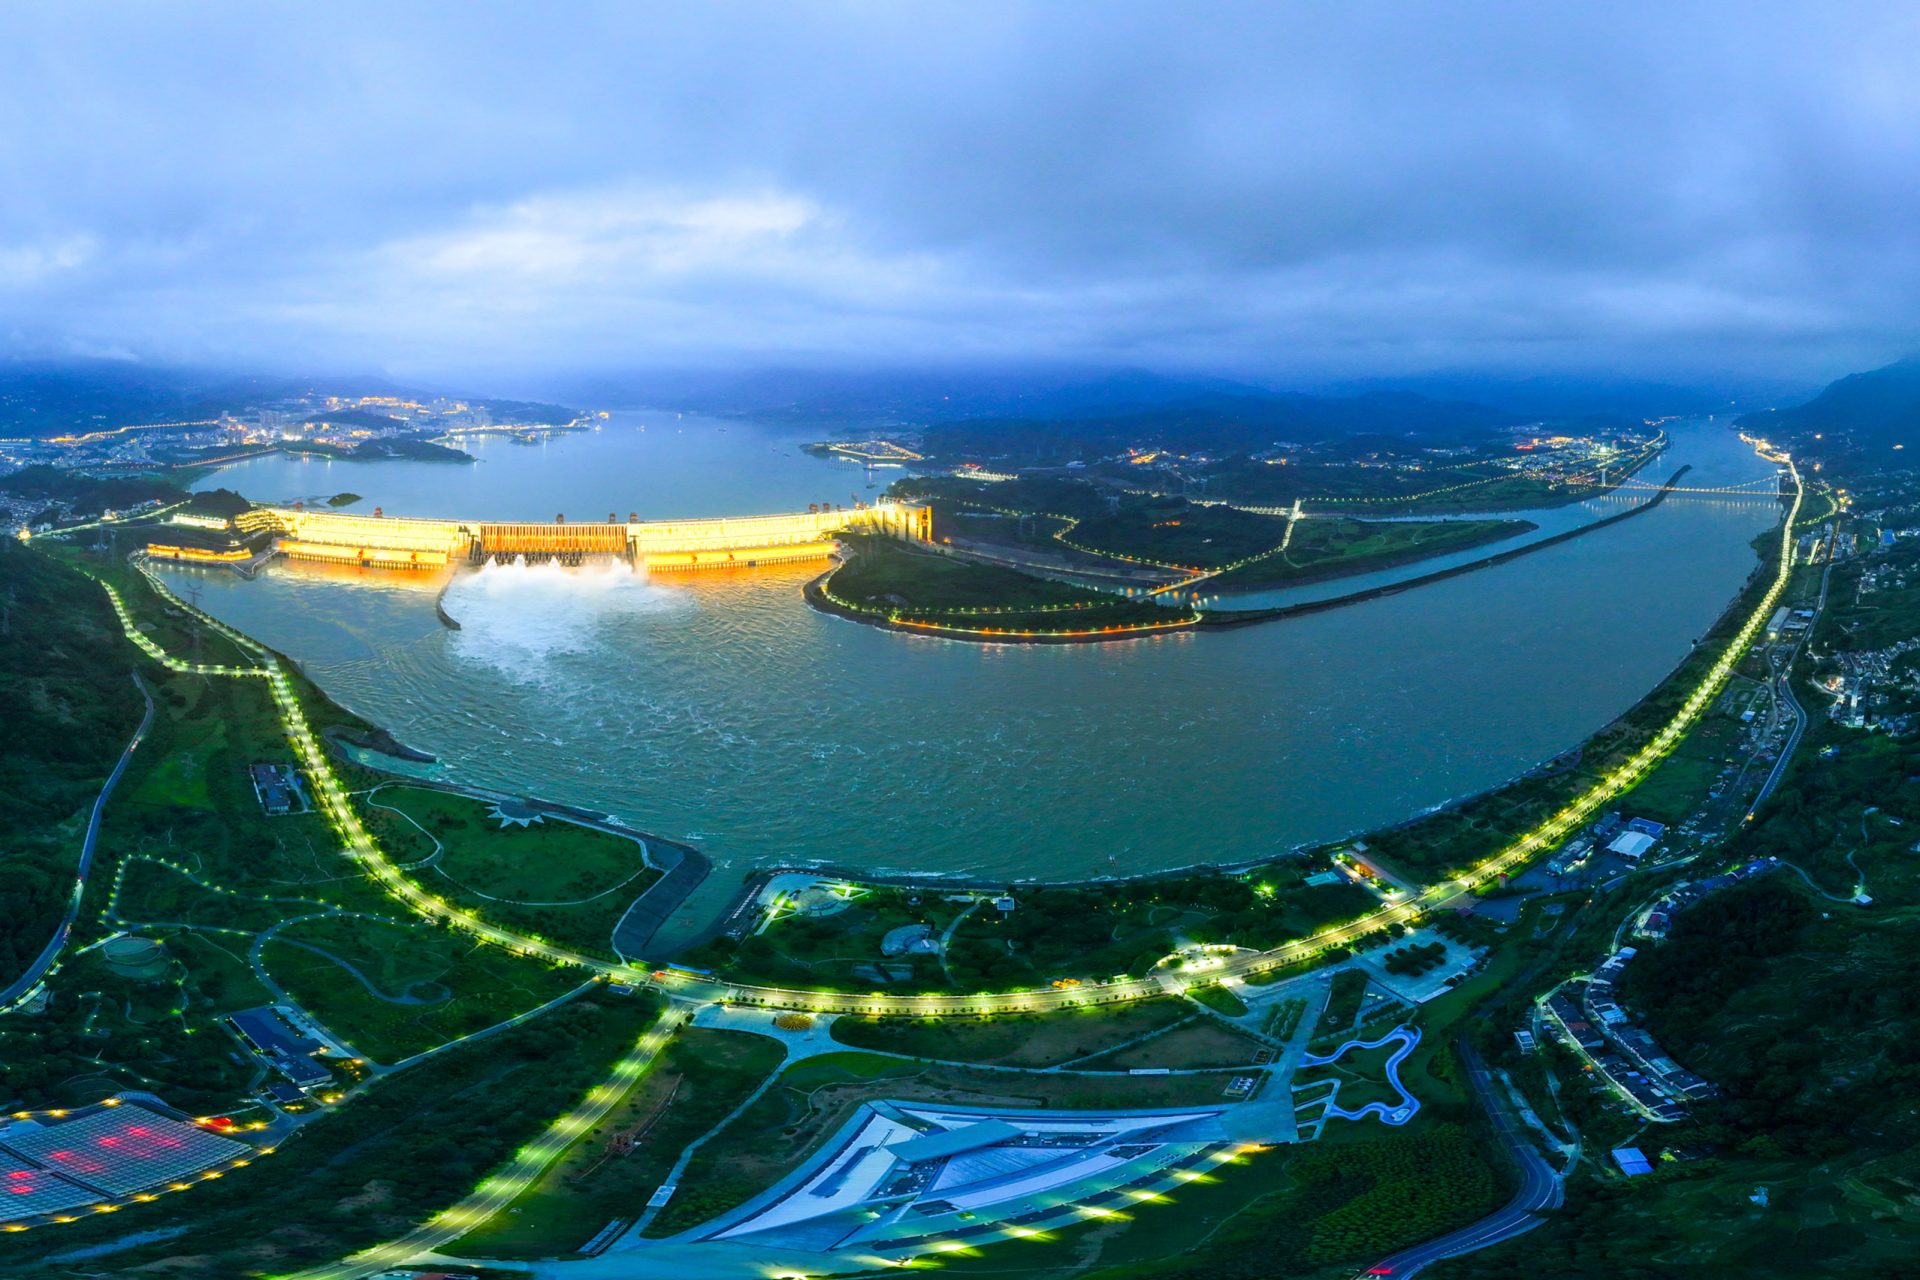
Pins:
x: 360, y: 845
x: 1792, y: 743
x: 51, y: 951
x: 533, y: 1160
x: 526, y: 1168
x: 1540, y: 1188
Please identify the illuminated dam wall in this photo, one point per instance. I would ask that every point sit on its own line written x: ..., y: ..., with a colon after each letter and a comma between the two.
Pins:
x: 401, y: 542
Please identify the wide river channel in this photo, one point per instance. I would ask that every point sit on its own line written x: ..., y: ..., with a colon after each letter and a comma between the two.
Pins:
x: 720, y: 710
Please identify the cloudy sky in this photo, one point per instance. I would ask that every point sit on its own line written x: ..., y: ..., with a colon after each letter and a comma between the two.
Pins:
x: 1281, y: 190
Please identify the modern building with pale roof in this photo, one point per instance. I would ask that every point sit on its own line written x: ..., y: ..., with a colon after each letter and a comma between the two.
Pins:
x: 902, y: 1179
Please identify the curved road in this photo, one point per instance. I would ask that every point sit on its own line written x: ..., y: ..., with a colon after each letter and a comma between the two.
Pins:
x: 51, y: 951
x: 503, y: 1188
x: 1540, y: 1188
x: 1793, y: 703
x: 359, y: 845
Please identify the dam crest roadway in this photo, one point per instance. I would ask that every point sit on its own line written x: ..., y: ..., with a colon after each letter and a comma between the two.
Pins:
x: 404, y: 542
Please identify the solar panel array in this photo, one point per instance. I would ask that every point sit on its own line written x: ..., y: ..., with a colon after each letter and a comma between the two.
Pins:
x: 28, y: 1192
x: 120, y: 1150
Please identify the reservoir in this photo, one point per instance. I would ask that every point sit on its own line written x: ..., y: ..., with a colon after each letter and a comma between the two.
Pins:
x: 718, y: 709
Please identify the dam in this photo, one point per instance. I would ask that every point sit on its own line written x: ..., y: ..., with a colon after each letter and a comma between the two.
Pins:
x: 379, y: 541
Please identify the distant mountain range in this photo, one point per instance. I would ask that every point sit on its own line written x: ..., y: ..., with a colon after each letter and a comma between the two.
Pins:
x: 908, y: 396
x: 1862, y: 412
x: 1223, y: 423
x: 41, y: 399
x: 921, y: 397
x: 1058, y: 410
x: 47, y: 399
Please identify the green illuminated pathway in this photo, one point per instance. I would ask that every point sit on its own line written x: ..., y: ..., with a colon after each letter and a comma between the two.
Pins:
x: 359, y: 844
x: 528, y: 1164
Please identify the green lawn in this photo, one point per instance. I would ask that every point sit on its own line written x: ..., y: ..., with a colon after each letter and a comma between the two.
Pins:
x: 428, y: 985
x: 700, y: 1078
x: 1021, y: 1040
x: 158, y: 892
x: 891, y: 579
x: 219, y: 979
x: 1169, y: 532
x: 1361, y: 1075
x: 553, y: 878
x: 1201, y: 1043
x: 1330, y: 548
x: 1220, y: 1000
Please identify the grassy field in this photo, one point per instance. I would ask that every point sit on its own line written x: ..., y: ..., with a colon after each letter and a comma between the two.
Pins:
x: 830, y: 952
x: 552, y: 878
x: 158, y: 892
x: 186, y: 799
x: 1220, y: 1000
x: 219, y: 979
x: 1201, y: 1043
x: 890, y: 579
x: 1343, y: 1003
x: 368, y: 1172
x: 416, y: 987
x: 1678, y: 786
x: 1332, y: 548
x: 1058, y: 932
x: 1170, y: 532
x: 1017, y: 1041
x: 699, y: 1080
x: 1361, y: 1075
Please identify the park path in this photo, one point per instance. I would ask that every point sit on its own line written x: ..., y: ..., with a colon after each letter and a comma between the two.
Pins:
x: 527, y: 1167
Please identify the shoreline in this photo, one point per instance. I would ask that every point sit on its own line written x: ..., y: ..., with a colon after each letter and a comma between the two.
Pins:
x: 756, y: 879
x: 1228, y: 619
x: 1249, y: 617
x: 682, y: 868
x: 815, y: 595
x: 691, y: 867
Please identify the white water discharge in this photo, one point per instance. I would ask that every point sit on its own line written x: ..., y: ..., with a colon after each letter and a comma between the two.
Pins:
x: 719, y: 709
x: 524, y: 620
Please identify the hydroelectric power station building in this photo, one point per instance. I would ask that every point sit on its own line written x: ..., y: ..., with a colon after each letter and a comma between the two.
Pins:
x: 396, y: 542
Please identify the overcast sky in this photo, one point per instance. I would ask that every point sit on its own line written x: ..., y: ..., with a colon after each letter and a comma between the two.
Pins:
x: 1278, y: 190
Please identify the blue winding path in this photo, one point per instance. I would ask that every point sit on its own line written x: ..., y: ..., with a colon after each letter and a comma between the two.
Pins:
x: 1408, y: 1105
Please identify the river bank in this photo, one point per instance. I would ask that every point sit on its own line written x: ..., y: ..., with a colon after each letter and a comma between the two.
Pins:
x: 725, y: 713
x: 821, y: 598
x: 1220, y: 618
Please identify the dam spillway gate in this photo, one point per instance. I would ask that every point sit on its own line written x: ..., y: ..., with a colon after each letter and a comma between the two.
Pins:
x: 401, y: 542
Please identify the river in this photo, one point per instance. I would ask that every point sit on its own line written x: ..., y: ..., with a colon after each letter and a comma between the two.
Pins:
x: 720, y: 710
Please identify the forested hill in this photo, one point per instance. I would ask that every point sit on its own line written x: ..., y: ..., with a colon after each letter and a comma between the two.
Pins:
x: 68, y: 708
x: 1862, y: 412
x: 1225, y: 424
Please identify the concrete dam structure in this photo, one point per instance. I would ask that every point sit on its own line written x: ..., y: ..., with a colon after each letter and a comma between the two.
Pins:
x: 403, y: 542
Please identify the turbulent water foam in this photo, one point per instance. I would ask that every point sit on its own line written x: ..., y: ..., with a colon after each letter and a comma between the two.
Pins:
x: 525, y: 620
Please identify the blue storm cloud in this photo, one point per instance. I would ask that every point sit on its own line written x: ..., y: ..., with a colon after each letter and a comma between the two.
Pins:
x: 1287, y: 189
